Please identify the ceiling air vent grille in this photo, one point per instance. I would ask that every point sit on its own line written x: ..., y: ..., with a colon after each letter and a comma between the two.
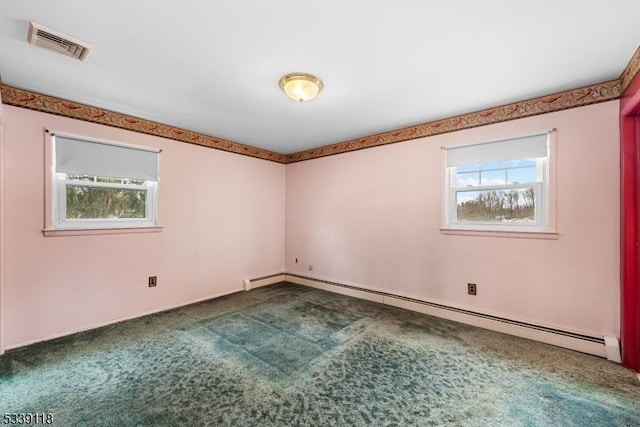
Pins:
x: 47, y: 38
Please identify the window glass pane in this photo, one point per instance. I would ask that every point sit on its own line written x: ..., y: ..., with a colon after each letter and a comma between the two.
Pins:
x: 523, y: 175
x: 494, y: 165
x: 491, y: 206
x: 468, y: 168
x: 524, y: 162
x: 494, y: 177
x: 469, y: 179
x: 104, y: 203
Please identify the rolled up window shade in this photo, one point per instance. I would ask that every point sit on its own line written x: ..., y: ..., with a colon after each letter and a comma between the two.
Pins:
x: 83, y: 157
x: 528, y: 147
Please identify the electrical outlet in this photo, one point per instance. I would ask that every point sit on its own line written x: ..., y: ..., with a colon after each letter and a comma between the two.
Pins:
x: 296, y: 260
x: 153, y: 281
x: 310, y: 267
x: 472, y: 289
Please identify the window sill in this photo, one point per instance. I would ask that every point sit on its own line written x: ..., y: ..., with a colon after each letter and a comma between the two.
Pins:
x: 94, y: 231
x: 548, y: 235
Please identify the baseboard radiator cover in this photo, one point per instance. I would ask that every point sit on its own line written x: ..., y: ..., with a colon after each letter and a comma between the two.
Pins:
x: 257, y: 282
x: 583, y: 343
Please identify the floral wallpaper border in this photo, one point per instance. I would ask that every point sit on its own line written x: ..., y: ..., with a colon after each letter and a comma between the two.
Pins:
x: 596, y: 93
x: 630, y: 72
x: 546, y: 104
x: 75, y: 110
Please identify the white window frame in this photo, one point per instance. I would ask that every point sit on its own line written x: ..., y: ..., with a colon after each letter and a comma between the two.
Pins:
x: 56, y: 222
x: 545, y: 224
x: 61, y: 220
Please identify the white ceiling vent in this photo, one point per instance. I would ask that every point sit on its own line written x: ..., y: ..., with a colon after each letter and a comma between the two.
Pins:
x: 47, y: 38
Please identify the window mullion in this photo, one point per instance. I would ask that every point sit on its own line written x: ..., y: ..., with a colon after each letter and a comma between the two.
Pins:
x: 79, y: 183
x: 497, y: 187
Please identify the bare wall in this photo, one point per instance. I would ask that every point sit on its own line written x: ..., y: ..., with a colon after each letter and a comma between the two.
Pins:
x: 223, y: 218
x: 371, y: 218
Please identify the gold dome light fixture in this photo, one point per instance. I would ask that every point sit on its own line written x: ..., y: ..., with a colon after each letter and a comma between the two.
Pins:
x: 301, y: 86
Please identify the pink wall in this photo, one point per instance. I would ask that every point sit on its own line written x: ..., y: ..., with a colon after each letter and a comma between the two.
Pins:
x: 223, y: 218
x: 371, y: 218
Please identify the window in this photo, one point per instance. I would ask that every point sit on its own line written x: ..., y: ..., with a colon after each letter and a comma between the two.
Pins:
x: 499, y: 186
x: 102, y: 185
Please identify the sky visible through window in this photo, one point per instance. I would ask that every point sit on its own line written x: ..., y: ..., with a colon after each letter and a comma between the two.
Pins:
x: 497, y: 192
x: 494, y: 173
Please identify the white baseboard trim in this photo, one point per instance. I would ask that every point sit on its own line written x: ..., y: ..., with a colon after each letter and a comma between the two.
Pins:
x: 606, y: 347
x: 343, y: 290
x: 573, y: 341
x: 249, y: 284
x: 118, y: 320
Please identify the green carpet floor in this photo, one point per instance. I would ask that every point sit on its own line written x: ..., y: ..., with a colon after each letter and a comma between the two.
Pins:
x: 287, y: 355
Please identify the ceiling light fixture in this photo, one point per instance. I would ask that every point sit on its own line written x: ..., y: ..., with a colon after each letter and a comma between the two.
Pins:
x: 301, y: 86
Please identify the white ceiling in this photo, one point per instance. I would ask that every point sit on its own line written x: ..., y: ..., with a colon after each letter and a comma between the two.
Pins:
x: 213, y: 66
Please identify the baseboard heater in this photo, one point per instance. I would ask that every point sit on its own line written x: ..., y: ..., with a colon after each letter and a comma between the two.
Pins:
x: 584, y: 343
x: 249, y: 284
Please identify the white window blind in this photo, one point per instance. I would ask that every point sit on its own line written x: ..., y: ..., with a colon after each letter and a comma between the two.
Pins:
x: 528, y: 147
x: 83, y: 157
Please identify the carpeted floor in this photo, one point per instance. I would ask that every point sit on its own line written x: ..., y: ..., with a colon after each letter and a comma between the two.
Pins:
x: 287, y: 355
